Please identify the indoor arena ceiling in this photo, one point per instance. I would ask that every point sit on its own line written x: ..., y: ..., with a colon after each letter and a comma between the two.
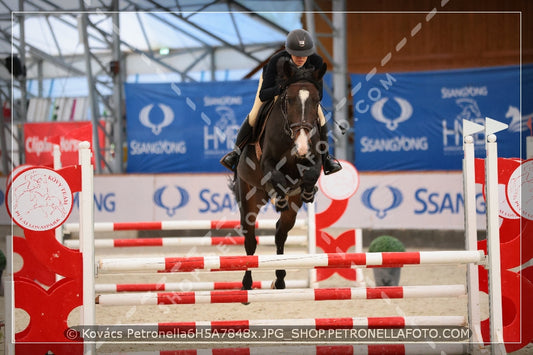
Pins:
x: 249, y: 30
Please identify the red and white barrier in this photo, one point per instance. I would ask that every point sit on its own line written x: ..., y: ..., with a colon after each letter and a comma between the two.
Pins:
x: 244, y: 296
x: 288, y: 261
x: 356, y: 349
x: 185, y: 241
x: 193, y: 286
x: 319, y: 323
x: 176, y: 225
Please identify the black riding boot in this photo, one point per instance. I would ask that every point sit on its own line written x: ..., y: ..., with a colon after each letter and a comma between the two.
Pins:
x: 329, y: 163
x: 231, y: 159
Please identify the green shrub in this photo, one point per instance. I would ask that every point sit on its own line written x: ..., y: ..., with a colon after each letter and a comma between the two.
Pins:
x: 385, y: 243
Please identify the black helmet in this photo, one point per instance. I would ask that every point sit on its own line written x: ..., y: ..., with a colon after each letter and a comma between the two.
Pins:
x: 299, y: 43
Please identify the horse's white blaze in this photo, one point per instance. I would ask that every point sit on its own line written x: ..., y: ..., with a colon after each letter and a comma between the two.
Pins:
x: 304, y: 95
x: 302, y: 142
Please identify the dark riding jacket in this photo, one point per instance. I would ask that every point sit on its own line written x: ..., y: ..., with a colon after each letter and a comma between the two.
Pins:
x: 270, y: 87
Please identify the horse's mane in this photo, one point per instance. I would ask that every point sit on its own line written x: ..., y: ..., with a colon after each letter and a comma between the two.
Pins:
x: 289, y: 73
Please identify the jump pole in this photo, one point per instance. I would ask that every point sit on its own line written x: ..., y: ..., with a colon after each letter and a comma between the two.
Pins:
x: 176, y: 225
x: 56, y: 157
x: 193, y: 286
x: 409, y: 348
x: 493, y: 236
x: 9, y: 304
x: 290, y: 261
x: 86, y: 229
x: 311, y: 241
x: 321, y: 323
x: 184, y: 241
x: 269, y: 295
x: 469, y: 191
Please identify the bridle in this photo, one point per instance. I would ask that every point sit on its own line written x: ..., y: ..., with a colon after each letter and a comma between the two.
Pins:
x: 290, y: 128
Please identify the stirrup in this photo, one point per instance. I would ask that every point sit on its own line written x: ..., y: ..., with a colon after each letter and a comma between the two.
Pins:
x: 333, y: 165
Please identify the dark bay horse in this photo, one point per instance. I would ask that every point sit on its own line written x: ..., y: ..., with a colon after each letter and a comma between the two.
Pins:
x: 285, y: 163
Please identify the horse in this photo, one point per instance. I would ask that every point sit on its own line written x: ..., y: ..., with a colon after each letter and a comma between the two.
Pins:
x: 285, y: 161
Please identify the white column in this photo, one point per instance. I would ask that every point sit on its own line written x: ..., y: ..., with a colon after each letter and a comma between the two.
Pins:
x: 87, y: 240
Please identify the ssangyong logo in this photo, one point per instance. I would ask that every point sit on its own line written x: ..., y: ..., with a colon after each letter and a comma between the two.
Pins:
x: 168, y: 118
x: 382, y: 199
x: 171, y: 198
x: 406, y: 111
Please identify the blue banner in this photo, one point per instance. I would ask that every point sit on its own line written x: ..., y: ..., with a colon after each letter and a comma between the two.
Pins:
x: 413, y: 121
x: 184, y: 127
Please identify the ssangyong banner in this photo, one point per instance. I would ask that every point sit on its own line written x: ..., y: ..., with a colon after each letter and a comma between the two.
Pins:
x: 184, y: 127
x: 413, y: 121
x: 382, y: 201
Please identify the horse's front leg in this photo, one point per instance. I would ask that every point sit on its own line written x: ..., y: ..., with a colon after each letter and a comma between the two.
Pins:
x: 309, y: 178
x: 250, y: 245
x: 283, y: 226
x: 249, y: 209
x: 279, y: 186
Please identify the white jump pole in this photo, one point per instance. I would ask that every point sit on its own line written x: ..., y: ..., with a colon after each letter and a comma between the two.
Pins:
x: 311, y: 241
x: 88, y: 316
x: 493, y: 236
x: 56, y: 155
x: 469, y: 190
x: 9, y: 305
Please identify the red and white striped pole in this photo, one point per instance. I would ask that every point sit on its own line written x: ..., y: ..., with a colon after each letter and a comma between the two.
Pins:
x: 289, y: 261
x: 269, y: 295
x: 319, y: 323
x: 176, y: 225
x: 184, y: 241
x: 193, y: 286
x: 355, y: 349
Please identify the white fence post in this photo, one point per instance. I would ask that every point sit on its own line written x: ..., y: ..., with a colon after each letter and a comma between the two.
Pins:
x: 493, y: 236
x: 469, y: 187
x: 88, y: 317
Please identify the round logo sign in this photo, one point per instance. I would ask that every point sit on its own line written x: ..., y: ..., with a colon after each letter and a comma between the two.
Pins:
x: 342, y: 185
x: 505, y: 169
x: 39, y: 199
x: 520, y: 190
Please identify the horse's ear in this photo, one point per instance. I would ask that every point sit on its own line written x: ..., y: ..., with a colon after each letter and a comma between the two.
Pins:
x: 288, y: 69
x: 321, y: 71
x: 284, y: 68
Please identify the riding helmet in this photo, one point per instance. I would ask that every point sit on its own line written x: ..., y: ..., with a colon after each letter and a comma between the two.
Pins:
x: 299, y: 43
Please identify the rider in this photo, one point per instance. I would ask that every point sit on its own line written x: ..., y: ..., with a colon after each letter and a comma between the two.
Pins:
x: 300, y: 49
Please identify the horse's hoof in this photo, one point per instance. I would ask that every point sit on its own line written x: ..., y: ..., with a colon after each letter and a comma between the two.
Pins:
x: 278, y: 285
x: 309, y: 196
x: 282, y: 204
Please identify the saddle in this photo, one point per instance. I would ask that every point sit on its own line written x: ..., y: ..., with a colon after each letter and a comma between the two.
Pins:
x: 259, y: 127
